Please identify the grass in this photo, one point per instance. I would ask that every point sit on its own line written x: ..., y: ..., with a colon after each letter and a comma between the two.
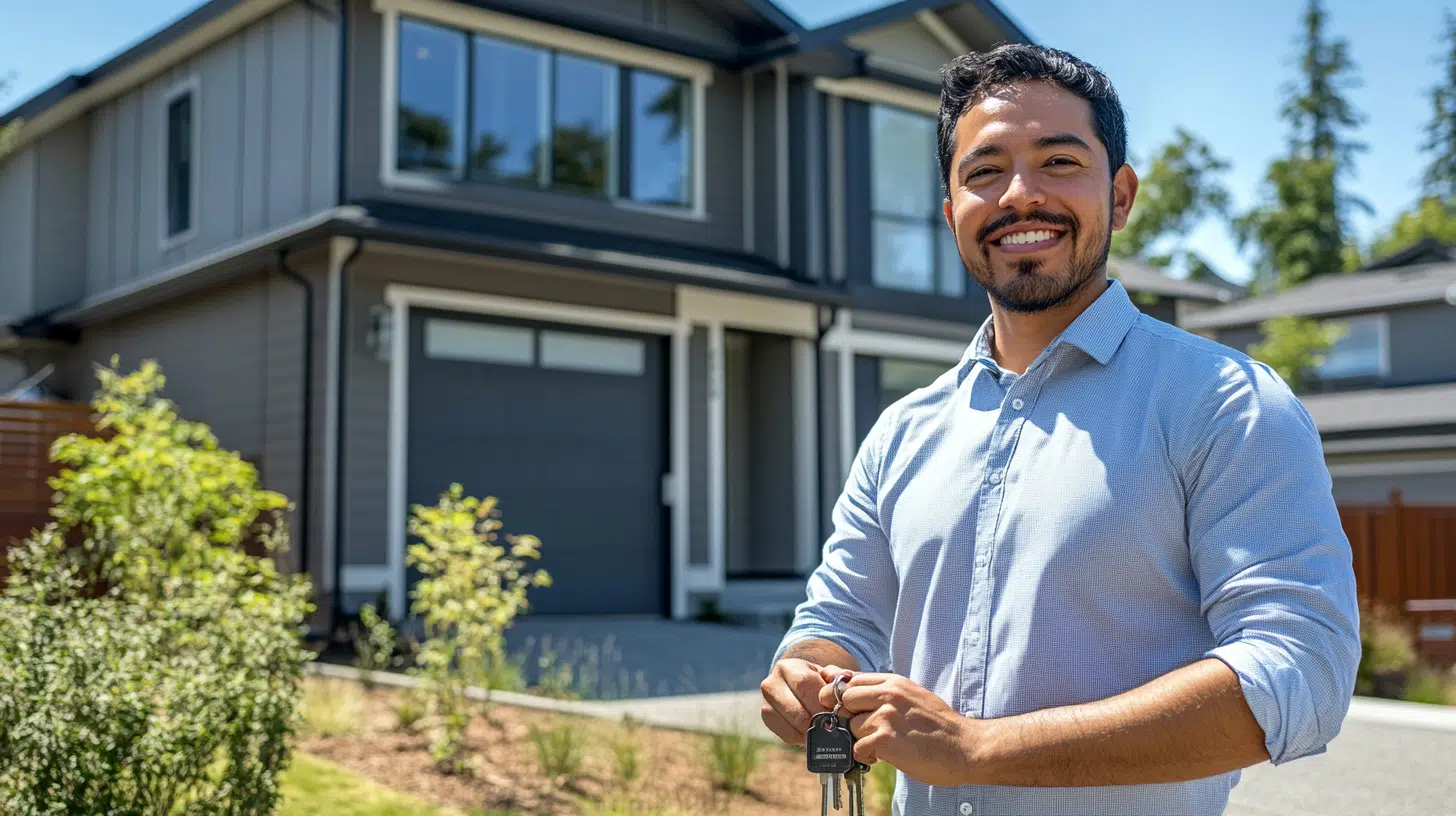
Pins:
x: 331, y: 708
x: 732, y: 758
x: 314, y: 786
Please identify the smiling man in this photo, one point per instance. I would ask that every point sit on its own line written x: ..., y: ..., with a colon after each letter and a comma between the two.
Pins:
x: 1095, y: 568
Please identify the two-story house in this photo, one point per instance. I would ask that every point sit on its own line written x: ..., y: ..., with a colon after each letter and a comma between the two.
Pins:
x: 646, y: 270
x: 1384, y: 397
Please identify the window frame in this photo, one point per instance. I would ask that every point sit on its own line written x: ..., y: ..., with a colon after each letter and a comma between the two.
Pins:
x: 1381, y: 320
x: 188, y: 86
x: 473, y: 21
x: 936, y: 220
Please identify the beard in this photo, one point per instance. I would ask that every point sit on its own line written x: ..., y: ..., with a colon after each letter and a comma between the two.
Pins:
x: 1031, y: 289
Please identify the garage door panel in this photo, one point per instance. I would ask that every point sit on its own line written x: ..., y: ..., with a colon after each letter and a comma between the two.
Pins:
x: 574, y: 452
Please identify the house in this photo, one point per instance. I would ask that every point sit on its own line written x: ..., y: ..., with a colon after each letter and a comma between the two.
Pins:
x: 645, y: 270
x: 1384, y: 398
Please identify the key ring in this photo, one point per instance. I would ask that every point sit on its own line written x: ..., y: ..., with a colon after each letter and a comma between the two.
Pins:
x: 839, y: 683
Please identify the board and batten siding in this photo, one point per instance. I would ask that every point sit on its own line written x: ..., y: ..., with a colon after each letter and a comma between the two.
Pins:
x: 267, y: 113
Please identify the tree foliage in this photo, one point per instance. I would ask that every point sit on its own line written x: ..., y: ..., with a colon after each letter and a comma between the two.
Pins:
x: 1180, y: 188
x: 1439, y: 180
x: 149, y: 665
x: 1293, y: 345
x: 1432, y: 217
x: 9, y: 131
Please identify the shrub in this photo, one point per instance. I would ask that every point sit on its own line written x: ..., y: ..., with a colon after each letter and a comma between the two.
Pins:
x: 149, y: 664
x: 472, y: 590
x: 732, y: 759
x: 624, y: 752
x: 374, y: 646
x: 559, y: 750
x: 1387, y: 652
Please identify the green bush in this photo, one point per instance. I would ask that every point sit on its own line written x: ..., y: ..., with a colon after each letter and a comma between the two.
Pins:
x: 732, y: 759
x: 1387, y: 652
x: 472, y: 590
x: 559, y: 750
x: 149, y: 665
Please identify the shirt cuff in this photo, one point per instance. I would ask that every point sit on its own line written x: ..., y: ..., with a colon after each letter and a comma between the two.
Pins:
x: 856, y: 650
x: 1278, y: 695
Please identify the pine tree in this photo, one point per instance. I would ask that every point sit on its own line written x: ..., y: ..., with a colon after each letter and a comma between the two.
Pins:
x: 1440, y: 177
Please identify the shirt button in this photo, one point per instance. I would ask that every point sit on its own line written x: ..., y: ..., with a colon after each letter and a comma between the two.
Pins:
x: 966, y: 809
x: 1016, y: 404
x: 996, y: 478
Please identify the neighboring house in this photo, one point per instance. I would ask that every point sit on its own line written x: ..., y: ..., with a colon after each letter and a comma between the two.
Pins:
x: 1384, y: 398
x: 644, y: 269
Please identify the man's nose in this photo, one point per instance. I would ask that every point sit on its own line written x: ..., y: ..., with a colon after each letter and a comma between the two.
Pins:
x: 1023, y: 192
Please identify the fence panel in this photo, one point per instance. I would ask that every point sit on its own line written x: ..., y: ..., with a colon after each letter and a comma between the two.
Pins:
x: 27, y: 430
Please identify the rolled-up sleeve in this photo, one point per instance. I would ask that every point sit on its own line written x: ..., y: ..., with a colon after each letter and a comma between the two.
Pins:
x: 851, y: 594
x: 1273, y: 563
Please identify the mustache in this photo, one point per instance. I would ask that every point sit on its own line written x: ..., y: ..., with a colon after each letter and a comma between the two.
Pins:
x: 1041, y: 216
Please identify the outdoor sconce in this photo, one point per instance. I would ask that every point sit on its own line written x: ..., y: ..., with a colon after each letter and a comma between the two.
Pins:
x: 381, y: 331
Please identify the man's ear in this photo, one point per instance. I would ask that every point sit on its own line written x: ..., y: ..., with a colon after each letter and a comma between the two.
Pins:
x: 1124, y: 190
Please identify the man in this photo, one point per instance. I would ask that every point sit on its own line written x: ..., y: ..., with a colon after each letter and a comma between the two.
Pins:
x: 1096, y: 567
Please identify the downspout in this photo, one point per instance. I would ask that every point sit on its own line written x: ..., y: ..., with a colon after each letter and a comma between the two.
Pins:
x: 343, y: 105
x: 341, y: 391
x: 306, y: 471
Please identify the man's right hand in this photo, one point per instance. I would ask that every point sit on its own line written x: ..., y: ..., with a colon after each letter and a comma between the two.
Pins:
x: 791, y: 698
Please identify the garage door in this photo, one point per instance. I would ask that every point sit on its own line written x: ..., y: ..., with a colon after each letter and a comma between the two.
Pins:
x: 567, y: 427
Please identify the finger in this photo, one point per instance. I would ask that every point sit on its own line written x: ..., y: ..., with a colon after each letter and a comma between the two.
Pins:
x: 829, y: 673
x: 857, y: 699
x: 860, y: 726
x: 781, y: 727
x: 780, y: 692
x: 867, y: 750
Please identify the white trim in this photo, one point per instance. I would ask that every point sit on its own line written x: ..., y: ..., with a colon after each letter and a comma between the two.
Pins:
x: 717, y: 462
x: 369, y: 578
x: 907, y: 346
x: 1408, y: 467
x: 548, y: 36
x: 681, y: 471
x: 398, y: 453
x: 878, y: 92
x: 847, y: 443
x: 781, y: 148
x: 942, y: 33
x: 473, y: 20
x: 806, y: 454
x: 338, y: 251
x: 749, y: 136
x: 401, y: 297
x: 190, y: 84
x: 752, y: 312
x: 838, y: 215
x: 529, y: 309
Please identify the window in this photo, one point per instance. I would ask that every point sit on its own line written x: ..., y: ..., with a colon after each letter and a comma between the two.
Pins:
x: 1360, y: 351
x: 481, y: 108
x: 180, y: 163
x: 898, y: 378
x: 913, y: 248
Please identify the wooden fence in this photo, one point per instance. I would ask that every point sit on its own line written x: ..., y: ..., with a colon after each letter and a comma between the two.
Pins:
x: 1405, y: 561
x: 27, y: 430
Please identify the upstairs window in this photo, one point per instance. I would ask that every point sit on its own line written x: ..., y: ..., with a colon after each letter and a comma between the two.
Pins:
x: 180, y: 163
x: 1361, y: 350
x: 914, y: 250
x: 480, y: 108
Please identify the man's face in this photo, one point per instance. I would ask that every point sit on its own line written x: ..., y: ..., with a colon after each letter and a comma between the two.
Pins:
x: 1032, y: 203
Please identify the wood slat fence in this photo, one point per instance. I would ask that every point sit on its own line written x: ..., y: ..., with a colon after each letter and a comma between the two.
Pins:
x: 27, y: 430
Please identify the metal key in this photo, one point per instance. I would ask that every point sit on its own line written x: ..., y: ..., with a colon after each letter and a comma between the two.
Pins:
x: 829, y: 752
x: 855, y: 781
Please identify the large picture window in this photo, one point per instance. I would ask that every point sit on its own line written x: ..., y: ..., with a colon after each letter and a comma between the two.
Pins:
x: 913, y: 249
x: 480, y: 108
x: 1359, y: 352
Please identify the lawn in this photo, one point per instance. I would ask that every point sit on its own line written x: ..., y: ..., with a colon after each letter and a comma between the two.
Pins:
x: 313, y: 787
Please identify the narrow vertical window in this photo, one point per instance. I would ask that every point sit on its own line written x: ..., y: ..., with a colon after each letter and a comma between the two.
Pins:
x: 179, y: 164
x: 662, y: 138
x: 431, y: 99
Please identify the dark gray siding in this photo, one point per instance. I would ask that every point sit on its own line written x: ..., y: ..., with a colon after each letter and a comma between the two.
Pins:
x: 722, y: 228
x: 1417, y: 488
x: 1423, y: 344
x: 17, y: 232
x: 772, y: 496
x: 366, y: 457
x: 60, y: 217
x: 764, y: 167
x: 266, y: 108
x: 685, y: 18
x: 832, y: 469
x: 808, y: 160
x: 698, y: 499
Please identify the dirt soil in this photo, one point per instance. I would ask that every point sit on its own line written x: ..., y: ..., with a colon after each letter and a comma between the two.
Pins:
x: 673, y: 775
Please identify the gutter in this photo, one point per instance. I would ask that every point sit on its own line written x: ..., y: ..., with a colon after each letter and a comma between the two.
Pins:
x: 341, y: 373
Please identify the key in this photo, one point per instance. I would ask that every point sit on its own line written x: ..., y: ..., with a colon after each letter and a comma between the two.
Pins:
x: 829, y: 752
x: 855, y: 780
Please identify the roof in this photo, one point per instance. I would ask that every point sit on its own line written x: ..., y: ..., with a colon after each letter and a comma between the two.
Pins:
x: 1339, y: 294
x: 1139, y: 277
x: 1383, y: 408
x: 1426, y: 250
x: 766, y: 32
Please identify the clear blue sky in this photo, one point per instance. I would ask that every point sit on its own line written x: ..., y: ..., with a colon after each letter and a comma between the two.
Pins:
x: 1214, y: 67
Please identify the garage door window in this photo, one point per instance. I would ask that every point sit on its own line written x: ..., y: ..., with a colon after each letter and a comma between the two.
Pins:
x: 479, y: 343
x: 593, y: 353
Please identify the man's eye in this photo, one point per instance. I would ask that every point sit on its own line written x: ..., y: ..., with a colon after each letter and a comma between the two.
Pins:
x: 982, y: 171
x: 1063, y: 160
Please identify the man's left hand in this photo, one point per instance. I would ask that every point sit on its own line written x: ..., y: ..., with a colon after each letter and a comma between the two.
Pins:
x: 895, y: 720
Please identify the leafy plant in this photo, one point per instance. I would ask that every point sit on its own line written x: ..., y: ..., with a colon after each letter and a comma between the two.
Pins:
x: 149, y: 663
x: 559, y: 750
x: 1426, y: 685
x: 374, y: 647
x: 1294, y: 345
x: 732, y: 758
x: 472, y: 590
x: 410, y: 706
x: 624, y: 747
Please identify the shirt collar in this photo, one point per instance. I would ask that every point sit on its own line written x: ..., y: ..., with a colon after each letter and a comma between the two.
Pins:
x: 1099, y: 330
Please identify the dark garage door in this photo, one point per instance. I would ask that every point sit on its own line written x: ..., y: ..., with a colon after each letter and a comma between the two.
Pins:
x: 567, y: 427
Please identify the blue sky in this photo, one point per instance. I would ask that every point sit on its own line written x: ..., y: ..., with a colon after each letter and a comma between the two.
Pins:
x: 1213, y: 67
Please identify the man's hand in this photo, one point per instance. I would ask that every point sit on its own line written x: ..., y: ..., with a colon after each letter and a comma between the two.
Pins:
x: 904, y: 724
x: 791, y: 698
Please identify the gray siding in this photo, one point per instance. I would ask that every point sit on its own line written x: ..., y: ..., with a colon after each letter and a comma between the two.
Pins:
x: 1423, y: 344
x: 60, y: 226
x: 366, y: 453
x: 904, y: 43
x: 722, y: 228
x: 771, y: 449
x: 17, y: 232
x: 266, y: 108
x: 832, y: 470
x: 763, y: 105
x: 698, y: 499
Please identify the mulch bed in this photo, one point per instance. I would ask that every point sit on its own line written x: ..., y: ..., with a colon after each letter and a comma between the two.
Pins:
x: 673, y: 775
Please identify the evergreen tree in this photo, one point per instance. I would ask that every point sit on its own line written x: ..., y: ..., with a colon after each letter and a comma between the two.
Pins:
x: 1440, y: 177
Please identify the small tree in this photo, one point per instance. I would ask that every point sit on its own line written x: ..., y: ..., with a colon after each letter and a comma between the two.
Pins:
x: 1293, y: 345
x: 473, y: 589
x: 148, y: 664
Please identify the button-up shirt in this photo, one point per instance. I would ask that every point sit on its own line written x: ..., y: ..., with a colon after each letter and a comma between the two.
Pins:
x: 1138, y: 499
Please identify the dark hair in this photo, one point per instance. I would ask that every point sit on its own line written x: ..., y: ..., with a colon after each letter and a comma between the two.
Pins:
x: 968, y: 79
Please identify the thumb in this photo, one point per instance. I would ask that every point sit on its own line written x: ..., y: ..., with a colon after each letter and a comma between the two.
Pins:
x: 829, y: 673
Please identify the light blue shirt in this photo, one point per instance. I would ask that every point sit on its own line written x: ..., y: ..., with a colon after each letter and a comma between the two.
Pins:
x: 1139, y: 499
